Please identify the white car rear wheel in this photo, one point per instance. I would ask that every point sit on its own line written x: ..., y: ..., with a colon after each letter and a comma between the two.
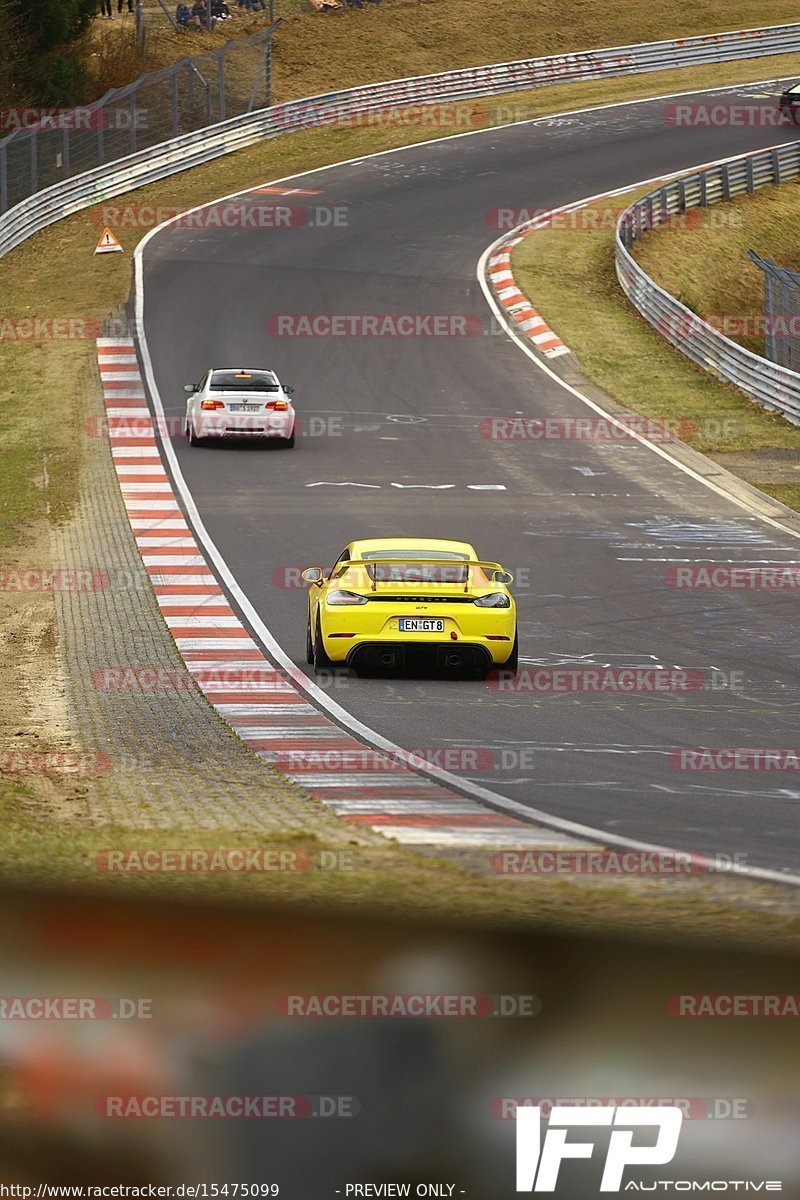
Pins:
x: 194, y: 440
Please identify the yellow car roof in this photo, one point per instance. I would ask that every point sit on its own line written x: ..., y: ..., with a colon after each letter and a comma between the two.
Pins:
x: 376, y: 545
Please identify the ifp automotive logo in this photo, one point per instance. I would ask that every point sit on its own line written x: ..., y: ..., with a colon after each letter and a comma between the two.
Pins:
x: 538, y: 1161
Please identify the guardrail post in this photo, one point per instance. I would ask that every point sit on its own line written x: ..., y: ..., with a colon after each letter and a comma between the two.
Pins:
x: 663, y: 206
x: 141, y: 36
x: 221, y: 81
x: 628, y: 232
x: 750, y: 174
x: 703, y: 189
x: 776, y: 166
x: 770, y: 349
x: 33, y: 142
x: 682, y: 194
x: 726, y: 181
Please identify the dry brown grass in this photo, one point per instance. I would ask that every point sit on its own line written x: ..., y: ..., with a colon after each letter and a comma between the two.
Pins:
x: 318, y: 52
x: 706, y: 265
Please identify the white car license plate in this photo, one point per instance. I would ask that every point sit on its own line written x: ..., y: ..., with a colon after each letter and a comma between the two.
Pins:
x: 244, y: 407
x: 420, y: 625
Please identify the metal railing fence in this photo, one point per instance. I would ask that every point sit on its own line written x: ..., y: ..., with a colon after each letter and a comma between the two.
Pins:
x: 774, y: 386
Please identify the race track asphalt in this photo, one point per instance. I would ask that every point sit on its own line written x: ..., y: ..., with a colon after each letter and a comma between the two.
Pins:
x: 588, y: 527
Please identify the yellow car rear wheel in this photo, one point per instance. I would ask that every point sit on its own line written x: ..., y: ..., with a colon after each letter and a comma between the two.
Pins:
x: 512, y: 662
x: 321, y: 660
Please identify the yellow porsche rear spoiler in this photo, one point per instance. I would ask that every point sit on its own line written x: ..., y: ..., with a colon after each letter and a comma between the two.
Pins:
x: 490, y: 569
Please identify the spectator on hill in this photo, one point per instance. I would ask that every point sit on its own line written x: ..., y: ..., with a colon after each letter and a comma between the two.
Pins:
x: 220, y: 10
x: 200, y: 11
x: 119, y: 6
x: 105, y: 10
x: 184, y: 18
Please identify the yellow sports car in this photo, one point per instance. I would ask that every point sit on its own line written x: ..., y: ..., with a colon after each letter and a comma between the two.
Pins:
x: 389, y: 601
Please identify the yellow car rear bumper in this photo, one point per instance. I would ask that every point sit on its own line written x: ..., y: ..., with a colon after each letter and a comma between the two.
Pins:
x: 348, y: 628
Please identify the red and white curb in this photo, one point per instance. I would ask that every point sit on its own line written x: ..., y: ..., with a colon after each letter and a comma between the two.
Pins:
x: 517, y: 305
x: 263, y: 706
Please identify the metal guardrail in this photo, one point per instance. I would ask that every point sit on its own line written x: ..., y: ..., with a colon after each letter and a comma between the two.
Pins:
x: 70, y: 191
x: 769, y: 384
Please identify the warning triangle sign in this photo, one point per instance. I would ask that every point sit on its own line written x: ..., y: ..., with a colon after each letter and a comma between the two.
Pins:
x: 108, y: 243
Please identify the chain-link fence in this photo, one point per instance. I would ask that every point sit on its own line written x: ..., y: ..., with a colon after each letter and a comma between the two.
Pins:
x: 142, y: 30
x: 781, y: 312
x: 157, y: 18
x: 195, y: 92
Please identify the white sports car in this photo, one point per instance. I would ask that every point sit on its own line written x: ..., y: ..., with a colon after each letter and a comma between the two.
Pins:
x: 237, y: 402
